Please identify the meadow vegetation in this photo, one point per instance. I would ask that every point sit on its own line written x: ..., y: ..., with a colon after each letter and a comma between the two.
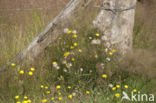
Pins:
x: 77, y: 67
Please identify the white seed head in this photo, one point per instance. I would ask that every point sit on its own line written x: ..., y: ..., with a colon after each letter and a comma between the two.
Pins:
x: 74, y: 94
x: 65, y: 70
x: 74, y: 32
x: 108, y: 59
x: 104, y: 38
x: 90, y: 37
x: 57, y: 67
x: 66, y: 30
x: 110, y: 85
x: 81, y: 69
x: 96, y: 41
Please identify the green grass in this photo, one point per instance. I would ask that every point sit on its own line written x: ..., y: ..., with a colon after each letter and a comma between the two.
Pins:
x: 13, y: 83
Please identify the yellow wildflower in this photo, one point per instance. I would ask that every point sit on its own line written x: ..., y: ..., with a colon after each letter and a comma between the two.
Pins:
x: 74, y: 36
x: 25, y: 97
x: 117, y: 86
x: 113, y: 50
x: 117, y: 95
x: 69, y: 32
x: 96, y: 56
x: 71, y: 47
x: 17, y: 97
x: 13, y: 64
x: 18, y: 102
x: 67, y: 65
x: 110, y: 53
x: 66, y: 54
x: 114, y: 88
x: 104, y: 76
x: 59, y: 98
x: 44, y: 100
x: 75, y: 44
x: 21, y: 72
x: 48, y: 92
x: 73, y: 59
x: 32, y: 69
x: 25, y: 102
x: 54, y: 63
x: 70, y: 96
x: 126, y: 86
x: 58, y: 87
x: 80, y: 50
x: 53, y: 98
x: 29, y: 101
x: 97, y: 34
x: 134, y: 90
x: 69, y: 87
x: 30, y: 73
x: 59, y: 93
x: 87, y: 92
x: 42, y: 86
x: 46, y: 87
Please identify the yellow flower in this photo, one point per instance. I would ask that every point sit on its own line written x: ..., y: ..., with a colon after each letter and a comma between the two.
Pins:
x: 13, y: 64
x: 30, y: 73
x: 59, y: 93
x: 58, y: 87
x: 104, y: 76
x: 126, y: 86
x: 74, y: 36
x: 110, y: 53
x: 69, y: 32
x: 71, y: 47
x: 69, y: 87
x: 66, y: 54
x: 117, y: 95
x: 54, y: 63
x: 46, y: 87
x: 59, y: 38
x: 21, y: 72
x: 97, y: 34
x: 73, y: 59
x: 32, y: 69
x: 44, y: 100
x: 96, y: 56
x: 117, y: 86
x: 18, y: 102
x: 17, y: 97
x: 134, y: 90
x: 114, y: 88
x: 70, y: 96
x: 25, y: 97
x: 25, y: 102
x: 80, y: 50
x: 59, y: 98
x: 87, y: 92
x: 29, y: 101
x: 53, y: 98
x: 67, y: 65
x: 42, y: 86
x: 113, y: 50
x: 48, y: 92
x: 75, y: 44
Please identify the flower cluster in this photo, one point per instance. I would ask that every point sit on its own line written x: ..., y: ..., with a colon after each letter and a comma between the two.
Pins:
x: 24, y: 99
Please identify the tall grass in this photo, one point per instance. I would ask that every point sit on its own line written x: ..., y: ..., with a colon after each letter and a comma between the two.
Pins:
x: 88, y: 67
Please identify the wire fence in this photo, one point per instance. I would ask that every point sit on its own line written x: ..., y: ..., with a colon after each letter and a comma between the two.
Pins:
x: 25, y: 9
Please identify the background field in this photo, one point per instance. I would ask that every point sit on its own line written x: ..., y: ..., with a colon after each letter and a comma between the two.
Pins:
x: 19, y: 28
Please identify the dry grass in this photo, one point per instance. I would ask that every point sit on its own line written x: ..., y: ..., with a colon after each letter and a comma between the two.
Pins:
x: 19, y: 28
